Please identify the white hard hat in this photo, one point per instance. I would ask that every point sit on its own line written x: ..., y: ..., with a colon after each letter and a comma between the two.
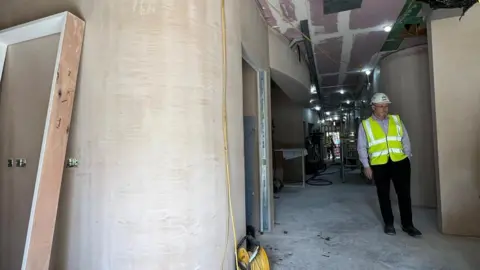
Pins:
x: 380, y: 98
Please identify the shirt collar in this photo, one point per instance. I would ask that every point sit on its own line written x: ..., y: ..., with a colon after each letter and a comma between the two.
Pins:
x: 376, y: 118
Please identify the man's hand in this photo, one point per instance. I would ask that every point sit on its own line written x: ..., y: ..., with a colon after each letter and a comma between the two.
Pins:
x: 368, y: 173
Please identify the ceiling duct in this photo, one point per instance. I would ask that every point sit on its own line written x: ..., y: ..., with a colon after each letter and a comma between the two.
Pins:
x: 296, y: 41
x: 310, y: 57
x: 465, y: 5
x: 336, y: 6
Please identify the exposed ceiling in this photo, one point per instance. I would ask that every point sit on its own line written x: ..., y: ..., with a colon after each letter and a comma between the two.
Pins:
x: 347, y: 36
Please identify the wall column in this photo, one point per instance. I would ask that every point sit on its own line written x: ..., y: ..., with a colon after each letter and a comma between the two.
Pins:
x: 150, y: 192
x: 404, y: 77
x: 455, y: 64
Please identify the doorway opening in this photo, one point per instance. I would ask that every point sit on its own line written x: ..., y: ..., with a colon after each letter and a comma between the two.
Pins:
x: 258, y: 202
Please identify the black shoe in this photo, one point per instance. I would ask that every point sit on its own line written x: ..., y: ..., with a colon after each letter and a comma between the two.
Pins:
x: 390, y: 230
x: 412, y: 231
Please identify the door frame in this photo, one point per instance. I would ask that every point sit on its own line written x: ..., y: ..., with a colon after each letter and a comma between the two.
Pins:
x: 265, y: 150
x: 41, y: 225
x: 264, y: 144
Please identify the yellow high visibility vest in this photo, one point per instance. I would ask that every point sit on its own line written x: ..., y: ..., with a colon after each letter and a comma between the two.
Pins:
x: 381, y: 146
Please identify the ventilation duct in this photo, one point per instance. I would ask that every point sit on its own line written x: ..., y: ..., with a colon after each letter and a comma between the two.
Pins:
x: 465, y: 5
x: 310, y: 57
x: 336, y: 6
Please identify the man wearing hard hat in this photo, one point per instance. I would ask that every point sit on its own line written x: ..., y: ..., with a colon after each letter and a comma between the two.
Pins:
x: 384, y: 150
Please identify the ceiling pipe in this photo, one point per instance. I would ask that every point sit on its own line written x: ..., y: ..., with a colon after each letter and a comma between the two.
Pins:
x: 310, y: 57
x: 339, y: 86
x: 295, y: 42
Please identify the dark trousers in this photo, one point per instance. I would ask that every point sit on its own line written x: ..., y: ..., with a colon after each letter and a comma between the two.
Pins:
x: 399, y: 173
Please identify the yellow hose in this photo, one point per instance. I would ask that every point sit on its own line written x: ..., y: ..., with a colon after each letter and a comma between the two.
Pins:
x: 260, y: 262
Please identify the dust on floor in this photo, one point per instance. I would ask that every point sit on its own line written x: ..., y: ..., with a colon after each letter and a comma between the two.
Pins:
x: 339, y: 227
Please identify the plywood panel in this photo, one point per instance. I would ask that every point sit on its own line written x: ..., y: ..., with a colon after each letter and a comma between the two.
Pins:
x: 25, y: 91
x: 454, y: 60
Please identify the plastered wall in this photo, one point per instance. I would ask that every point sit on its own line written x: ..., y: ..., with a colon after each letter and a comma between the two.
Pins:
x: 150, y: 190
x: 310, y: 116
x: 288, y: 132
x: 405, y: 77
x: 288, y: 120
x: 455, y: 63
x: 255, y: 42
x: 288, y: 70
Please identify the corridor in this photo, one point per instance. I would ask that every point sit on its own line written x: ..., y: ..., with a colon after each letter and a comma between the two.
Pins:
x: 339, y: 227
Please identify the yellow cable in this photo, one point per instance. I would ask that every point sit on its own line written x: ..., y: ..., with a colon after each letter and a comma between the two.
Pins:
x: 225, y: 130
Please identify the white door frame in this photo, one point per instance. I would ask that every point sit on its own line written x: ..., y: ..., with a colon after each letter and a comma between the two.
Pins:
x: 265, y: 150
x: 41, y: 225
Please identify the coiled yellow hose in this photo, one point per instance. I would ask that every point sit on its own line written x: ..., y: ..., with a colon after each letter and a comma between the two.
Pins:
x: 260, y: 262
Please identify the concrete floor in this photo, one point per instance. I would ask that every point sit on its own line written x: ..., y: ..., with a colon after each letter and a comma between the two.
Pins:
x: 339, y: 227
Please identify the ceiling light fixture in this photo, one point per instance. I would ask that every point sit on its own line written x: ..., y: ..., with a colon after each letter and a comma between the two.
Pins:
x: 317, y: 108
x: 323, y: 121
x: 367, y: 71
x: 313, y: 89
x: 387, y: 28
x: 312, y: 100
x: 342, y: 91
x: 347, y: 101
x: 327, y: 113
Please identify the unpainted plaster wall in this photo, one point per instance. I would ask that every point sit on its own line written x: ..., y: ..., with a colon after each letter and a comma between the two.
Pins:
x: 288, y: 120
x: 254, y: 35
x: 24, y: 95
x: 289, y: 131
x: 310, y: 116
x: 455, y: 62
x: 288, y: 71
x: 145, y: 197
x: 404, y: 77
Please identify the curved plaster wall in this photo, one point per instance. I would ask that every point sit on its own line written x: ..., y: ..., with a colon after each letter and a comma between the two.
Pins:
x: 404, y: 76
x: 150, y: 192
x: 288, y: 72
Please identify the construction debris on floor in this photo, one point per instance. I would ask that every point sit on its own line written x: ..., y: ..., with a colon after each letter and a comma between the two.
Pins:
x: 339, y: 227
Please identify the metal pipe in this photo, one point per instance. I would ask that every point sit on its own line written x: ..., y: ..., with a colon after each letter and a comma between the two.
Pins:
x: 296, y: 41
x: 311, y: 58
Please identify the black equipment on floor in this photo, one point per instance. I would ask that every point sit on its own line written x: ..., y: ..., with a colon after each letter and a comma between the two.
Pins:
x: 314, y: 160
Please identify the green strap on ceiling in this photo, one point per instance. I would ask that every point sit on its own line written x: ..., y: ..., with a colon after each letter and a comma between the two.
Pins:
x: 408, y: 15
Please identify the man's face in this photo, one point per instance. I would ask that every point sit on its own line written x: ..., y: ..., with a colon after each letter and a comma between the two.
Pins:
x: 380, y: 110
